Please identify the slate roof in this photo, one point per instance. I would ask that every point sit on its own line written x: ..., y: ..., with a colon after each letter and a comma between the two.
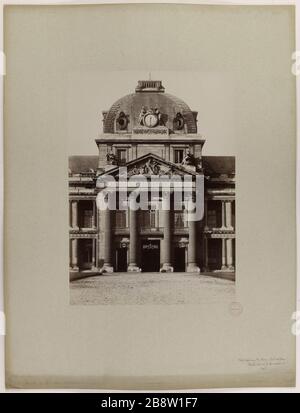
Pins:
x: 218, y: 164
x: 79, y: 164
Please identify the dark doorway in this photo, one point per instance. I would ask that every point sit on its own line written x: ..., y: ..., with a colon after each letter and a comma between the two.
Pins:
x: 150, y: 256
x: 179, y: 259
x: 215, y: 254
x: 85, y: 254
x: 121, y: 260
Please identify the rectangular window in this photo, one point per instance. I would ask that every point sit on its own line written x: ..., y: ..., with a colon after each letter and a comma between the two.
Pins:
x: 121, y: 156
x: 148, y: 218
x: 87, y: 218
x: 212, y: 218
x: 120, y: 219
x: 152, y: 218
x: 178, y: 155
x: 179, y: 219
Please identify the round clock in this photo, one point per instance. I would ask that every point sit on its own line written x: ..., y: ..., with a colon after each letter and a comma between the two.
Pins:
x: 150, y: 120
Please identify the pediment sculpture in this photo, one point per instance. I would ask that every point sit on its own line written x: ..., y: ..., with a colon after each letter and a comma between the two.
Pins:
x: 152, y: 167
x: 111, y: 158
x: 189, y: 160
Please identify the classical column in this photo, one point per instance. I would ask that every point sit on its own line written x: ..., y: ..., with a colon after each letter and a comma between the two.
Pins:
x: 74, y: 206
x: 74, y: 259
x: 94, y: 219
x: 224, y: 266
x: 99, y: 240
x: 107, y: 266
x: 94, y: 254
x: 206, y: 266
x: 192, y: 246
x: 230, y: 266
x: 223, y: 215
x: 205, y: 214
x: 228, y: 215
x: 166, y: 241
x: 133, y: 267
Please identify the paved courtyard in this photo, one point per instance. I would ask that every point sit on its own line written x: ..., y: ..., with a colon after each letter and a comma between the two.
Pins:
x: 150, y: 288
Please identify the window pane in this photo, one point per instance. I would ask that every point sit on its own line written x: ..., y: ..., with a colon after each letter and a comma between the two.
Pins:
x: 212, y: 218
x: 120, y: 219
x: 121, y: 155
x: 152, y: 218
x: 87, y: 218
x: 178, y: 155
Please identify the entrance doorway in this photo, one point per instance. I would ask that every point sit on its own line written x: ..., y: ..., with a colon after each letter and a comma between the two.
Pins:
x: 150, y: 261
x: 215, y: 254
x: 85, y: 254
x: 179, y: 259
x: 121, y: 260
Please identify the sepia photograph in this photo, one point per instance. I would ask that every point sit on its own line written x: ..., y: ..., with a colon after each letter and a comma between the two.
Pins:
x: 152, y: 217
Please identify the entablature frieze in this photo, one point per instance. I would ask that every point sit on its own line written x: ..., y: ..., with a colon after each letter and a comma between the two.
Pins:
x: 219, y: 234
x: 150, y: 138
x: 219, y: 197
x: 81, y: 235
x: 82, y: 197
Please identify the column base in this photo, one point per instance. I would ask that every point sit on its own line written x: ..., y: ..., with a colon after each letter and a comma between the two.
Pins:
x: 74, y: 268
x: 107, y: 269
x: 193, y: 268
x: 166, y: 268
x: 133, y: 268
x: 230, y: 268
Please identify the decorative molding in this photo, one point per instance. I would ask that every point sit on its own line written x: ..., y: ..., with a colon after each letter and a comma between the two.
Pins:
x: 80, y: 235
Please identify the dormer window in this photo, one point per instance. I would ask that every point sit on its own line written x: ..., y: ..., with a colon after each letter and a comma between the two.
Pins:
x: 121, y: 156
x: 178, y: 122
x: 178, y: 155
x: 122, y: 122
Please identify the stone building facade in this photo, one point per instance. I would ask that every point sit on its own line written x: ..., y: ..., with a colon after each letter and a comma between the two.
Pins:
x: 151, y: 133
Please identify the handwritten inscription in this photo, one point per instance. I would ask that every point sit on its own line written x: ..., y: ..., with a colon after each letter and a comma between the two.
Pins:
x: 263, y: 362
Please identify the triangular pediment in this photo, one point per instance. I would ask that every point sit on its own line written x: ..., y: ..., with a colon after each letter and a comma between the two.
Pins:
x: 149, y: 165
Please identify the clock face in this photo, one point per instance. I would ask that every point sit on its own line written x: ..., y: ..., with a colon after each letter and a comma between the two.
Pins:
x: 150, y: 120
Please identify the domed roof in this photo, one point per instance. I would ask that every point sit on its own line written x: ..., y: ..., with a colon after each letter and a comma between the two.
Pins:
x: 150, y: 96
